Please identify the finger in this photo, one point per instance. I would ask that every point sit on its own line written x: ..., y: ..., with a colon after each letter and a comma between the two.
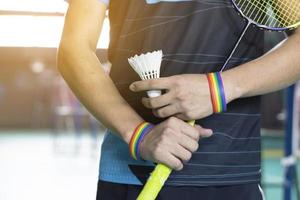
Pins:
x: 158, y: 102
x: 166, y: 111
x: 183, y: 117
x: 171, y: 161
x: 181, y: 153
x: 188, y: 130
x: 203, y: 132
x: 184, y: 128
x: 191, y: 132
x: 188, y: 143
x: 151, y: 84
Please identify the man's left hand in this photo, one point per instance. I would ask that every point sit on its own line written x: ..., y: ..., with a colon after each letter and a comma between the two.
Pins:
x: 187, y: 96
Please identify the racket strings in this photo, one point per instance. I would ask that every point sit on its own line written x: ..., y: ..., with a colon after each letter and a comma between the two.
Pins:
x: 271, y: 13
x: 285, y: 12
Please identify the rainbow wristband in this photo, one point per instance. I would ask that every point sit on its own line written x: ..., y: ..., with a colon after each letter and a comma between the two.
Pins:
x: 136, y: 139
x: 217, y: 93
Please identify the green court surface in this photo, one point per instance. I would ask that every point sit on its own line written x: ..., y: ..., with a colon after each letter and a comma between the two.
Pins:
x: 36, y: 165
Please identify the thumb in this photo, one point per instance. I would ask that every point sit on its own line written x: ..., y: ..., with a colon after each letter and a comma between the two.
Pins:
x: 203, y: 131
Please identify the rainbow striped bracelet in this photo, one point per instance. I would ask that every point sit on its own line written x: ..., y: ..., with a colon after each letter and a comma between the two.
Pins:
x: 137, y: 137
x: 217, y: 93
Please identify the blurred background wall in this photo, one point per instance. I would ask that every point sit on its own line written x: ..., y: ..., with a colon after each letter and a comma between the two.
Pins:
x: 29, y: 85
x: 49, y: 144
x: 29, y: 36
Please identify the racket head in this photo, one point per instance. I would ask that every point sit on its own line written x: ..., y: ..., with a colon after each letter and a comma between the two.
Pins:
x: 275, y: 15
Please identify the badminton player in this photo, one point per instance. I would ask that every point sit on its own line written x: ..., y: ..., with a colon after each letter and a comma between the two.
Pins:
x: 219, y: 158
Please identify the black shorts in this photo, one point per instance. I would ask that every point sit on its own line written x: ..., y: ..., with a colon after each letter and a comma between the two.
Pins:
x: 114, y: 191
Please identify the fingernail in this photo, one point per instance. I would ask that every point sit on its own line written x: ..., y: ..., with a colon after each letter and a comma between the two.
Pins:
x: 209, y: 131
x: 132, y: 87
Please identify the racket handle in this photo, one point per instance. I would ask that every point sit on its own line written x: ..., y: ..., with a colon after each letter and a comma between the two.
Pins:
x: 155, y: 182
x: 192, y: 122
x: 157, y: 179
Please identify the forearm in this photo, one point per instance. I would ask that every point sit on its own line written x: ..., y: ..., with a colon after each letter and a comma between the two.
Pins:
x: 96, y: 91
x: 269, y: 73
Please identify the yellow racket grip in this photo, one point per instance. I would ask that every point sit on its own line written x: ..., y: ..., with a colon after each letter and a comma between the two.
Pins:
x: 155, y: 182
x: 157, y: 179
x: 192, y: 122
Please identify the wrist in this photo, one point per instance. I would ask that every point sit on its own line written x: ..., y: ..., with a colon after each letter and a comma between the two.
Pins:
x: 217, y: 92
x: 137, y: 137
x: 232, y: 89
x: 129, y: 129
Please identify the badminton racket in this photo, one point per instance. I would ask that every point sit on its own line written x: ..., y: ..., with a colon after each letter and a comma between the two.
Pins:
x: 274, y: 15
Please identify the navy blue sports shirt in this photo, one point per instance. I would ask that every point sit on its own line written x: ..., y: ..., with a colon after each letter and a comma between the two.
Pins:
x: 196, y: 37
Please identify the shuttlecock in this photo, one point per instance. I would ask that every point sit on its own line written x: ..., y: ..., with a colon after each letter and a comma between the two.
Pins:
x: 147, y: 66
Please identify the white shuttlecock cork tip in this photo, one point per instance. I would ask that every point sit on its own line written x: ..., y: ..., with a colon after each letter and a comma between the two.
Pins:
x: 154, y: 93
x: 147, y: 66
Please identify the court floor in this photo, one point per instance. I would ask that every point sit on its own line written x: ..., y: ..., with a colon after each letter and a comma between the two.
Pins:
x: 36, y: 165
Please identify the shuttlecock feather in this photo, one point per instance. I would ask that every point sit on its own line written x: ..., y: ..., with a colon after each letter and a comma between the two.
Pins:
x: 147, y: 66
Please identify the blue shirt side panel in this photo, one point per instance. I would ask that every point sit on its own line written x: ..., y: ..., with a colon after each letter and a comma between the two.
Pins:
x: 115, y: 159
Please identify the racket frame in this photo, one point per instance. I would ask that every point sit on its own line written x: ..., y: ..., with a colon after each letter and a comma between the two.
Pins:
x: 250, y: 21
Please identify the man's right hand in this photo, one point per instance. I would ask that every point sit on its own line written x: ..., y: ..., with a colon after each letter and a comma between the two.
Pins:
x: 172, y: 142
